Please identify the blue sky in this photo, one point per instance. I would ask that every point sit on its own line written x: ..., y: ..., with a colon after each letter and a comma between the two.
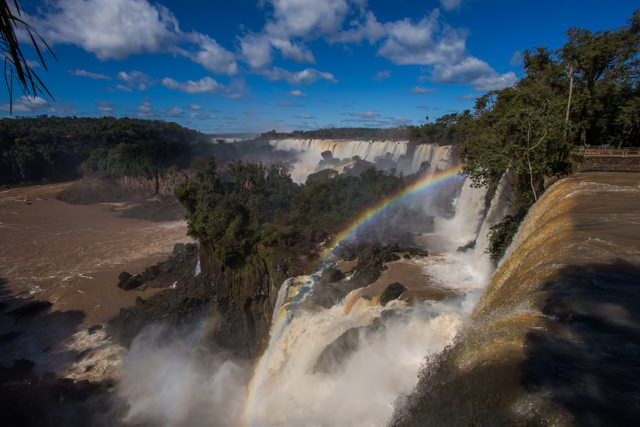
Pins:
x: 257, y: 65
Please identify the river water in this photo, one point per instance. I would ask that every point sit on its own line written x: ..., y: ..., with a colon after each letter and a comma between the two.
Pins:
x: 71, y: 255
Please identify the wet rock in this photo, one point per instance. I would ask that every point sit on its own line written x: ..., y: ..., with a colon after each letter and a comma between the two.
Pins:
x: 393, y: 291
x: 332, y: 274
x: 468, y: 246
x: 93, y: 329
x: 127, y: 282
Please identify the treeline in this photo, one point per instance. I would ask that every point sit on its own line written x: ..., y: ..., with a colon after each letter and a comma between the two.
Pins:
x: 57, y: 148
x: 387, y: 134
x: 48, y: 148
x: 247, y: 206
x: 585, y: 93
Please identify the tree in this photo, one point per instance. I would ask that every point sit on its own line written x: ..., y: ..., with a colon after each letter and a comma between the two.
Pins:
x: 16, y: 65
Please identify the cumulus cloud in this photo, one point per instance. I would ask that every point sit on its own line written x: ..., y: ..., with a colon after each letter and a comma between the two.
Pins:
x: 475, y: 72
x: 111, y: 29
x: 297, y: 94
x: 422, y: 43
x: 417, y: 90
x: 381, y: 75
x: 84, y: 73
x: 211, y: 55
x: 304, y: 77
x: 117, y: 29
x: 204, y: 85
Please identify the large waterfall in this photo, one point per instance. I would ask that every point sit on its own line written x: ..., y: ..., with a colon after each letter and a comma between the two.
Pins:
x: 343, y: 365
x: 436, y: 157
x: 296, y: 383
x: 555, y: 337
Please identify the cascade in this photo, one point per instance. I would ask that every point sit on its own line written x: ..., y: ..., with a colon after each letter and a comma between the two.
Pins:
x: 554, y: 339
x: 437, y: 156
x: 288, y: 389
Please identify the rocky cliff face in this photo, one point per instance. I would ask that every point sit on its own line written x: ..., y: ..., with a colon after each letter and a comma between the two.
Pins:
x: 246, y: 297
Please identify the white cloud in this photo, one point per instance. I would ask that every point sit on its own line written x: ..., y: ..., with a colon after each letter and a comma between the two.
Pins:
x: 117, y: 29
x: 475, y: 72
x: 381, y: 75
x: 136, y: 79
x: 145, y: 110
x: 423, y: 43
x: 302, y: 18
x: 370, y: 29
x: 256, y: 50
x: 417, y: 90
x: 193, y: 107
x: 105, y: 108
x: 204, y: 85
x: 202, y: 116
x: 450, y: 4
x: 305, y: 116
x: 297, y: 94
x: 26, y: 104
x: 111, y: 29
x: 365, y: 115
x: 172, y: 112
x: 84, y: 73
x: 211, y: 55
x: 124, y: 88
x: 304, y: 77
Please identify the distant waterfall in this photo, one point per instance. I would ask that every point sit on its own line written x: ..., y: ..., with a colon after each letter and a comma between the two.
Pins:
x: 438, y: 157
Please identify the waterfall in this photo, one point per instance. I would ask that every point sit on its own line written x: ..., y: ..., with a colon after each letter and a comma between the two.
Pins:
x: 197, y: 271
x: 437, y: 156
x: 385, y: 346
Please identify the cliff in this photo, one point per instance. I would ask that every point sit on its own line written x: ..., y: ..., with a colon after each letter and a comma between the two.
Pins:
x: 554, y: 338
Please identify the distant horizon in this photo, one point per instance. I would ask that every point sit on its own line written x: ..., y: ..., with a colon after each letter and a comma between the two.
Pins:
x: 257, y: 65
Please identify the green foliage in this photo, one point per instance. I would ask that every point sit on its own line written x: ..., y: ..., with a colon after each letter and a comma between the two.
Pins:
x: 244, y: 206
x: 228, y: 209
x: 502, y: 235
x: 328, y: 204
x: 53, y: 148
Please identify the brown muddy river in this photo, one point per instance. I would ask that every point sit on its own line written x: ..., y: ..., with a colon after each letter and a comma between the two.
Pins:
x: 71, y: 255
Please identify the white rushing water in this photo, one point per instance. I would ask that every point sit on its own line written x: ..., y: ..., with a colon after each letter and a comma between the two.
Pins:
x: 167, y: 382
x: 310, y: 154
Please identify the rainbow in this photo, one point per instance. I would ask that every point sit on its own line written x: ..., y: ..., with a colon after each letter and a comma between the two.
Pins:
x: 281, y: 321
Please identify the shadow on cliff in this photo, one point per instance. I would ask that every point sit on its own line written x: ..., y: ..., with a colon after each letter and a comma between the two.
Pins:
x: 587, y: 358
x: 30, y: 393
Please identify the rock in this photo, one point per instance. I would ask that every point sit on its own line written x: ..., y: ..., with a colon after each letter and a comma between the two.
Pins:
x: 468, y: 246
x: 393, y: 291
x: 332, y: 274
x: 93, y: 329
x: 127, y: 282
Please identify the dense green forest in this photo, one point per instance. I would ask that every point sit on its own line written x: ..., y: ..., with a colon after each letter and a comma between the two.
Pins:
x: 247, y: 205
x: 63, y: 148
x: 56, y: 148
